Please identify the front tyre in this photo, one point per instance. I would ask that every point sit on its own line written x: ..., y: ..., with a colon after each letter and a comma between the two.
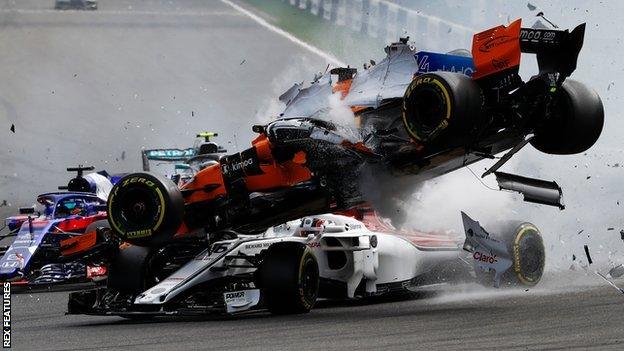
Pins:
x: 289, y: 276
x: 145, y: 209
x: 526, y: 247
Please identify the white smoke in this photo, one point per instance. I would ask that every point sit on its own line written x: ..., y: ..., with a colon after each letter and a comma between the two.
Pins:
x: 437, y: 204
x: 300, y: 68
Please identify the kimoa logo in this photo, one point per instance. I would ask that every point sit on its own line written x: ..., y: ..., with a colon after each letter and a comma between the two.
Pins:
x: 238, y: 165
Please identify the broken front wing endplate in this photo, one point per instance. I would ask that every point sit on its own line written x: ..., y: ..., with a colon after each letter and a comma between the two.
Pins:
x: 534, y: 190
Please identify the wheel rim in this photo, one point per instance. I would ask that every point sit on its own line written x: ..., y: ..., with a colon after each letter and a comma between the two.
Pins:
x: 429, y: 109
x: 530, y: 263
x: 309, y: 280
x: 138, y: 208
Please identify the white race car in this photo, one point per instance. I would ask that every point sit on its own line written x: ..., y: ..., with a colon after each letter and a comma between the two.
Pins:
x: 286, y: 268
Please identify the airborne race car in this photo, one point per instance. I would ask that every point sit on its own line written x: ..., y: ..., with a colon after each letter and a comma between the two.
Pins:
x: 416, y: 122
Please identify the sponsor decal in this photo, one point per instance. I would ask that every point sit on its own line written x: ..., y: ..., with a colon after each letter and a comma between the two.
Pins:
x: 501, y: 63
x: 235, y: 295
x: 257, y: 246
x: 241, y: 164
x: 432, y: 62
x: 241, y: 300
x: 172, y: 154
x: 10, y: 264
x: 138, y: 233
x: 527, y: 34
x: 481, y: 257
x: 6, y: 315
x: 494, y: 42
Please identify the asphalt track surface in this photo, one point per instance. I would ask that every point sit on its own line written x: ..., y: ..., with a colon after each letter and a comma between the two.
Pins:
x: 95, y: 87
x: 492, y: 320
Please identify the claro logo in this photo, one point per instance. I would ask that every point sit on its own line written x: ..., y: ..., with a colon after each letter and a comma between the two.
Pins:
x: 494, y: 42
x: 484, y: 258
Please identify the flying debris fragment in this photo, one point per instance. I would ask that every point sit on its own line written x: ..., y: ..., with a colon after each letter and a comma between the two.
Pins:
x: 587, y: 254
x: 12, y: 128
x: 541, y: 14
x: 610, y: 282
x: 534, y: 190
x: 617, y: 271
x: 531, y: 6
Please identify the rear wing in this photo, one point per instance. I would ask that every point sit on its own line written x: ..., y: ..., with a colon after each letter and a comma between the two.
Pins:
x: 496, y: 52
x: 166, y: 155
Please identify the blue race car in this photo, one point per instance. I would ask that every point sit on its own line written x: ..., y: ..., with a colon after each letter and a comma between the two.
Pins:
x: 34, y: 256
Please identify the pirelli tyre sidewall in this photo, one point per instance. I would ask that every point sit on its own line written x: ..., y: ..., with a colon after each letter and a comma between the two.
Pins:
x: 526, y: 247
x: 289, y: 277
x: 145, y: 209
x: 435, y: 104
x: 308, y: 280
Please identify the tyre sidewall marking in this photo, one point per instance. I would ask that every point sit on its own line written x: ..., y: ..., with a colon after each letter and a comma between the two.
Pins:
x: 161, y: 206
x: 444, y: 123
x: 524, y: 230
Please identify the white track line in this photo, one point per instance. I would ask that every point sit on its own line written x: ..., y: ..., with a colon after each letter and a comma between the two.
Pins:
x: 330, y: 58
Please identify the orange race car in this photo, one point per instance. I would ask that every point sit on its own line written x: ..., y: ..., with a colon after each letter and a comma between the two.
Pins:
x: 416, y: 121
x: 419, y: 115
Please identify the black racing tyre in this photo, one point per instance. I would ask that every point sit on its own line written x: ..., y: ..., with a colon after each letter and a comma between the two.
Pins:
x: 128, y: 271
x: 576, y: 124
x: 438, y: 103
x: 524, y: 242
x: 289, y: 277
x: 145, y: 209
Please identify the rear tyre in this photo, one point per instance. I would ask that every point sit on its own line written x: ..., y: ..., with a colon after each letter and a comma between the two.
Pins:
x: 145, y: 209
x: 435, y: 104
x: 576, y: 124
x: 289, y: 276
x: 524, y: 243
